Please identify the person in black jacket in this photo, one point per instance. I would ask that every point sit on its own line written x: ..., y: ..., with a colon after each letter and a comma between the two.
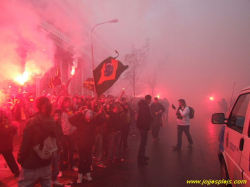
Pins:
x: 85, y: 123
x: 114, y: 128
x: 128, y: 112
x: 7, y: 131
x: 143, y: 124
x: 156, y: 109
x: 36, y: 130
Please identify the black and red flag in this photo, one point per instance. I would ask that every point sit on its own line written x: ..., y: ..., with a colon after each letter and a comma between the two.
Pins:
x: 89, y: 84
x: 107, y: 73
x: 56, y: 80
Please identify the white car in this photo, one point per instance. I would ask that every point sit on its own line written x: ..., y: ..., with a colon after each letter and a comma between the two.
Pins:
x: 234, y: 147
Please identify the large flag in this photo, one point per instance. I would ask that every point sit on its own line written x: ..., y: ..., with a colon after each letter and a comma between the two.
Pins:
x: 89, y: 84
x: 107, y: 73
x: 56, y: 80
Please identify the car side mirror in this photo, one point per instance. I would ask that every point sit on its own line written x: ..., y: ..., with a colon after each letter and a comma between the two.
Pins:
x: 218, y: 118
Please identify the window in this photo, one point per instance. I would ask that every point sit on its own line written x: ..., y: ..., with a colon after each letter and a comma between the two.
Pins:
x: 237, y: 117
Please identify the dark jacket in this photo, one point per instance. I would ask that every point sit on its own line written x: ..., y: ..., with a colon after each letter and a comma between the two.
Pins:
x: 115, y: 122
x: 85, y: 131
x: 36, y: 130
x: 7, y: 131
x: 156, y: 108
x: 144, y: 116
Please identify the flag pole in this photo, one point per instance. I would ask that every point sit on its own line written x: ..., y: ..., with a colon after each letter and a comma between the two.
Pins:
x: 92, y: 48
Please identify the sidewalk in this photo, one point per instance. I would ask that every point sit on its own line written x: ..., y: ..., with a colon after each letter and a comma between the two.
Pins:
x: 6, y: 176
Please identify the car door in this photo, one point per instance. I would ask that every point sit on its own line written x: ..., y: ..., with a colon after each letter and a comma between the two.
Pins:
x: 233, y: 137
x: 245, y: 159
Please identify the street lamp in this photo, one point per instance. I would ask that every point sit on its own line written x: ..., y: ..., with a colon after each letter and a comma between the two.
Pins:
x: 92, y: 50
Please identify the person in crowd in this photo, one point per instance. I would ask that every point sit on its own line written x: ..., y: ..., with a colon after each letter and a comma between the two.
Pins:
x: 75, y: 105
x: 166, y: 105
x: 54, y: 102
x: 68, y: 132
x: 20, y: 111
x: 107, y: 110
x: 102, y: 100
x: 143, y: 124
x: 88, y: 103
x: 127, y: 111
x: 95, y: 105
x: 7, y: 132
x: 114, y: 133
x: 63, y: 91
x: 157, y: 109
x: 133, y: 116
x: 81, y: 102
x: 7, y: 105
x: 98, y: 146
x: 57, y: 161
x: 111, y: 100
x: 37, y: 129
x: 86, y: 123
x: 183, y: 122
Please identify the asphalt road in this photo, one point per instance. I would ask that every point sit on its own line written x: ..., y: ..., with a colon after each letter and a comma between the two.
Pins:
x: 166, y: 167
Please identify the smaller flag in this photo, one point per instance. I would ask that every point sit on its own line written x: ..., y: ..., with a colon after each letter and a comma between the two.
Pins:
x: 89, y: 84
x: 107, y: 73
x: 56, y: 80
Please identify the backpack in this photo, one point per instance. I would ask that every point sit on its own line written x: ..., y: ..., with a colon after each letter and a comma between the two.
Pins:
x: 191, y: 112
x: 47, y: 149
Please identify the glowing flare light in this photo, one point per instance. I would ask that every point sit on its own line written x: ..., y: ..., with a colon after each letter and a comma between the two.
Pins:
x: 73, y: 70
x: 21, y: 79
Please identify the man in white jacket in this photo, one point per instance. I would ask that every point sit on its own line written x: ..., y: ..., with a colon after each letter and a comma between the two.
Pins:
x: 183, y: 124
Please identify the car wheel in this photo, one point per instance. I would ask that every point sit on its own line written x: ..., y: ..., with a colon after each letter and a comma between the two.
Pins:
x: 224, y: 172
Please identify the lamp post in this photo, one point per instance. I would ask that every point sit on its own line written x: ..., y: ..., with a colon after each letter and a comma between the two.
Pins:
x: 92, y: 50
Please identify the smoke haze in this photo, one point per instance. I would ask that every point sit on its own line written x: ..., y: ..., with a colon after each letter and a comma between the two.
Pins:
x: 204, y: 44
x: 24, y: 46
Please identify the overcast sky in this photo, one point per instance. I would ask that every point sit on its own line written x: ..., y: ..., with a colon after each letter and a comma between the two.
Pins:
x: 205, y: 44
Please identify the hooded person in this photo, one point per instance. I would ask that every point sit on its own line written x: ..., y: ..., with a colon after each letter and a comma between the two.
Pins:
x: 36, y: 130
x: 85, y: 123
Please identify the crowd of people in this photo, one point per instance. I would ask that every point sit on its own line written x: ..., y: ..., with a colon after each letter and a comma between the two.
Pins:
x: 95, y: 128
